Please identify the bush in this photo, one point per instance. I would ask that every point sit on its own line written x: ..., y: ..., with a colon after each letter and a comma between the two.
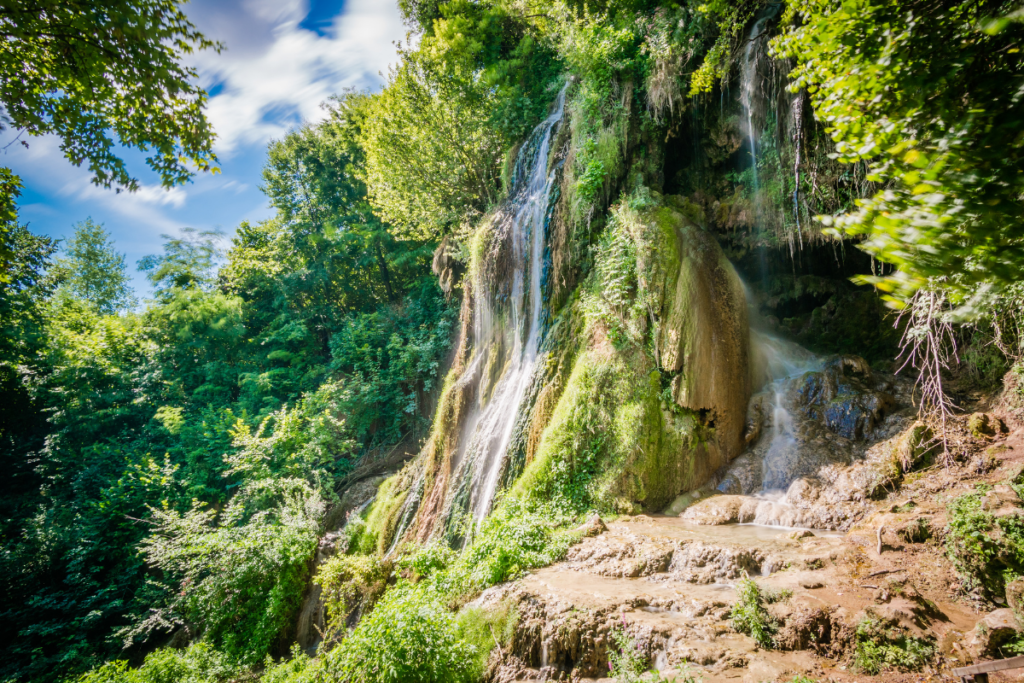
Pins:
x: 199, y: 663
x: 298, y: 669
x: 986, y: 551
x: 517, y: 537
x: 351, y: 584
x: 749, y: 615
x: 882, y: 647
x: 408, y: 638
x: 238, y: 579
x: 483, y: 629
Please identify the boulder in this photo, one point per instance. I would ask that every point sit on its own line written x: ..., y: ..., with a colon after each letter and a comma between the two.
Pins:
x: 985, y: 425
x: 855, y: 416
x: 594, y: 526
x: 843, y: 395
x: 1001, y: 501
x: 718, y: 510
x: 915, y: 531
x: 914, y: 445
x: 991, y: 632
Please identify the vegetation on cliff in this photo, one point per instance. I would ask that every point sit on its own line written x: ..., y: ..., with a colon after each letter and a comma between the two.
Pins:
x: 174, y: 466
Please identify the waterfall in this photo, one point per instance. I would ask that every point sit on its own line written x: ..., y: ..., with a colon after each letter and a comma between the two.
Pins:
x: 748, y: 86
x: 779, y: 361
x: 490, y: 430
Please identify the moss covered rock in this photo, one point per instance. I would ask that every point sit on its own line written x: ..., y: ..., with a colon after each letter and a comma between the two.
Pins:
x: 657, y: 398
x: 985, y: 425
x: 703, y: 335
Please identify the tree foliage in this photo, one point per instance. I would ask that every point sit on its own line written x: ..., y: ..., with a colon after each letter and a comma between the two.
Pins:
x: 171, y: 466
x: 93, y: 271
x: 436, y: 136
x: 930, y: 95
x: 99, y: 74
x: 188, y: 262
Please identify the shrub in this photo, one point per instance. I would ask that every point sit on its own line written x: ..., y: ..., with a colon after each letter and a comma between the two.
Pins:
x: 408, y: 638
x: 297, y: 669
x: 199, y: 663
x: 629, y: 665
x: 351, y: 584
x: 483, y: 629
x: 986, y: 551
x: 427, y: 560
x: 517, y: 537
x: 750, y: 616
x: 239, y: 579
x: 882, y: 647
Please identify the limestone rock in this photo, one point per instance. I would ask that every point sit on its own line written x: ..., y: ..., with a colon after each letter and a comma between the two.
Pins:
x: 445, y: 266
x: 804, y: 629
x: 900, y: 603
x: 703, y: 563
x: 915, y: 531
x: 1001, y: 501
x: 718, y: 510
x: 703, y: 335
x: 594, y: 526
x: 991, y: 632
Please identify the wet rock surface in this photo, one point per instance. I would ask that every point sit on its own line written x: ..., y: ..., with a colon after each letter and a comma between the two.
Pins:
x: 823, y: 445
x: 671, y: 586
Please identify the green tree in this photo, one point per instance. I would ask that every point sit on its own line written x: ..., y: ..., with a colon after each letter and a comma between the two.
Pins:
x: 437, y: 134
x: 103, y: 73
x: 419, y: 15
x: 10, y: 190
x: 188, y: 262
x: 94, y: 271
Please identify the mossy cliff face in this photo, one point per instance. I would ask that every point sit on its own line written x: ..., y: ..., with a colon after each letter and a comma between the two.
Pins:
x: 703, y: 336
x: 655, y: 399
x: 640, y: 392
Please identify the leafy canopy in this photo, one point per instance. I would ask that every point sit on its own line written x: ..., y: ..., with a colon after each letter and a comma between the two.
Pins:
x: 435, y: 138
x: 103, y: 73
x: 188, y: 262
x: 931, y: 96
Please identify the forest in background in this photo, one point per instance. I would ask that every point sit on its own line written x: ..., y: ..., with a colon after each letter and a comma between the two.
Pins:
x: 171, y: 463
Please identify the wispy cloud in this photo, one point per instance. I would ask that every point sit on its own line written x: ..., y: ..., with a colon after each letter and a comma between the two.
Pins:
x: 262, y: 94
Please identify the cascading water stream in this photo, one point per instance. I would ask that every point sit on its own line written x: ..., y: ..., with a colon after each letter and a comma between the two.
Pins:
x: 781, y: 361
x: 748, y: 86
x: 491, y: 430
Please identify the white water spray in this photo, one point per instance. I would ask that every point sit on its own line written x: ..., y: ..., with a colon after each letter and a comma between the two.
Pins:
x: 491, y: 430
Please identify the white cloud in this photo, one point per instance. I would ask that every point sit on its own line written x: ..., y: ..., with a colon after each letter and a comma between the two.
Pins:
x: 266, y: 93
x: 44, y: 168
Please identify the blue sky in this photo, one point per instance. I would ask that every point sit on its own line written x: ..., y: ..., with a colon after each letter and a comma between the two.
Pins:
x: 283, y: 59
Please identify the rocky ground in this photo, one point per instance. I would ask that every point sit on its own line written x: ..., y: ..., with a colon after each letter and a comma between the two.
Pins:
x: 670, y: 582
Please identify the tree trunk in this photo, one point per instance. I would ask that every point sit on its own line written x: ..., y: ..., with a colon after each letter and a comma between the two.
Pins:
x: 382, y: 264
